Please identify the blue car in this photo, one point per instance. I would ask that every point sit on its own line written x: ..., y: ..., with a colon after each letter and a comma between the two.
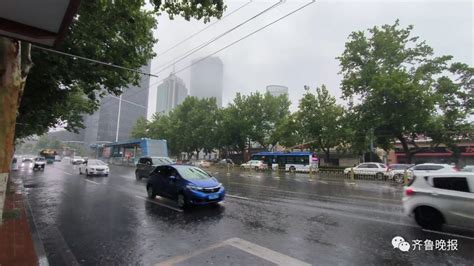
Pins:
x: 188, y: 185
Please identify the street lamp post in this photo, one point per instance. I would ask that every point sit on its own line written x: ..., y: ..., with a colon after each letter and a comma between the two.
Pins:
x: 118, y: 117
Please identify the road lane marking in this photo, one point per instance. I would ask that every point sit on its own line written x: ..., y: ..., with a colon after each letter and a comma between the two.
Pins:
x: 238, y: 197
x: 160, y: 204
x: 448, y: 234
x: 246, y: 246
x: 67, y: 173
x: 324, y: 182
x: 336, y: 211
x: 90, y: 181
x: 316, y: 195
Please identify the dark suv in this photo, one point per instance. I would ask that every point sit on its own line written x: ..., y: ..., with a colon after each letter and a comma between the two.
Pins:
x: 147, y: 164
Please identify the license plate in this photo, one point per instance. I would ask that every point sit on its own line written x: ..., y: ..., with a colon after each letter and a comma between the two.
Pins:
x: 215, y: 196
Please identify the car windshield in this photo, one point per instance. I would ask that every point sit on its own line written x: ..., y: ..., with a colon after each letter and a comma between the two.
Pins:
x: 160, y: 160
x: 95, y: 162
x: 193, y: 173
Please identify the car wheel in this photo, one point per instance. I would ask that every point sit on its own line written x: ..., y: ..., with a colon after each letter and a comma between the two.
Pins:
x: 150, y: 192
x: 429, y: 218
x: 137, y: 176
x: 292, y: 169
x: 106, y: 175
x: 182, y: 201
x: 398, y: 178
x: 379, y: 176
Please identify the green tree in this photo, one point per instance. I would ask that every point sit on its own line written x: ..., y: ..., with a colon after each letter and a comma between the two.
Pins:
x: 260, y: 116
x: 190, y: 127
x: 119, y: 32
x: 288, y: 132
x: 320, y: 118
x: 231, y: 131
x: 400, y: 86
x: 140, y: 130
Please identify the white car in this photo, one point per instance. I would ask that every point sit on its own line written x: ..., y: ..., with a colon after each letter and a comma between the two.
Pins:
x: 468, y: 168
x: 396, y: 172
x: 77, y: 160
x: 377, y: 169
x: 94, y: 167
x: 204, y: 163
x: 435, y: 199
x: 426, y: 168
x: 254, y: 164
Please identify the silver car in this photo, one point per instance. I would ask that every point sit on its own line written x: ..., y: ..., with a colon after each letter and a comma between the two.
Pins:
x: 435, y: 199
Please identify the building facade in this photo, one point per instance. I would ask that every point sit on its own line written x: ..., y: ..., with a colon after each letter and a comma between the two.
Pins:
x: 440, y: 154
x: 133, y: 105
x: 106, y: 125
x: 277, y: 90
x: 170, y: 94
x: 207, y: 79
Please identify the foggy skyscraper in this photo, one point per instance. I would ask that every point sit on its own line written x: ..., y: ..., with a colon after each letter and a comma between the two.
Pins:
x: 170, y: 94
x: 277, y: 90
x: 207, y: 78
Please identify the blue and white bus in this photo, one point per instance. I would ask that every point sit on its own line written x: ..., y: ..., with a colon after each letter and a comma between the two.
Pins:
x: 289, y: 161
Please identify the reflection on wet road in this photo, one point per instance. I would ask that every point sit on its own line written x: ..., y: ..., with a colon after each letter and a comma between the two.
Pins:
x: 265, y: 220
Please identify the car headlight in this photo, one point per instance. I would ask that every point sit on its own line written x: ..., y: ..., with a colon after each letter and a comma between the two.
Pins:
x: 92, y: 169
x: 193, y: 187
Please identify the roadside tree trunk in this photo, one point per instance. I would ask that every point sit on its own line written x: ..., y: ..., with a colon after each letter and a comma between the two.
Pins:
x: 15, y: 63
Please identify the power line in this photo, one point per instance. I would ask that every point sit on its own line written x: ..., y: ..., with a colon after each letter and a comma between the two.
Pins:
x: 94, y: 61
x: 246, y: 36
x: 196, y: 33
x: 199, y: 47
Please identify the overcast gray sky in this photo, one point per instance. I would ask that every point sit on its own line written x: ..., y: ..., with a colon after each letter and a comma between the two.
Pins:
x: 301, y: 49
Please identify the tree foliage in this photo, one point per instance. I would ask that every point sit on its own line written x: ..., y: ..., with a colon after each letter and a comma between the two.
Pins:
x: 61, y: 89
x: 320, y: 119
x: 140, y: 130
x: 401, y: 88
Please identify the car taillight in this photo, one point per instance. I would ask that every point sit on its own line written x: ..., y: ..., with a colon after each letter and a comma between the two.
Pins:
x: 388, y: 169
x: 409, y: 191
x: 456, y: 169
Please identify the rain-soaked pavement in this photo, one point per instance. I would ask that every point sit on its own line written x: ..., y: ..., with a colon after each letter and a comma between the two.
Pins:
x: 265, y: 220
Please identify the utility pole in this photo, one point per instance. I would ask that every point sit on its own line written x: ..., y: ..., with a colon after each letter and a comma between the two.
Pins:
x: 118, y: 118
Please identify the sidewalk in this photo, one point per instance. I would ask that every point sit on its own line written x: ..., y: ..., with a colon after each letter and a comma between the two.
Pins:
x: 16, y: 241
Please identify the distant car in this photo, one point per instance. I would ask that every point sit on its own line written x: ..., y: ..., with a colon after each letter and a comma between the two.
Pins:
x: 379, y: 170
x: 225, y: 162
x: 396, y: 172
x: 426, y: 168
x: 27, y: 159
x: 94, y: 167
x: 15, y: 162
x: 204, y: 163
x: 77, y: 160
x: 254, y: 164
x: 188, y: 185
x: 57, y: 158
x: 66, y: 158
x: 468, y: 168
x: 147, y: 164
x: 39, y: 163
x: 439, y: 198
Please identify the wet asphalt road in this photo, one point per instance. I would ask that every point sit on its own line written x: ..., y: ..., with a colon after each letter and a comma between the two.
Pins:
x: 265, y: 220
